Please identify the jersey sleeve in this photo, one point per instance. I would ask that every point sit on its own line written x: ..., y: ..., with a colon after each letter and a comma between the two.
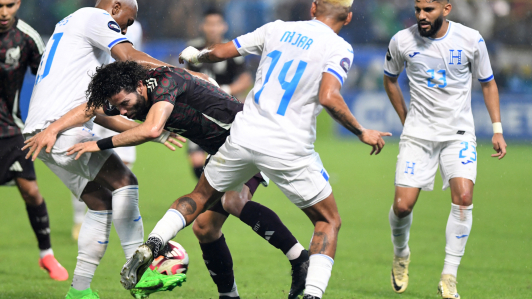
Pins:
x: 103, y: 32
x: 481, y: 64
x: 394, y: 62
x: 35, y: 45
x: 253, y: 42
x: 36, y: 55
x: 339, y: 62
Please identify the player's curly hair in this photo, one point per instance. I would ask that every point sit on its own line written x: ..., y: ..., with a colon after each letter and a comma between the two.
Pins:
x: 111, y: 79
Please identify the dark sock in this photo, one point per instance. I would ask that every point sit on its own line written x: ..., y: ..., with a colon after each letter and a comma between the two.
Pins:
x: 198, y: 171
x: 41, y: 224
x: 156, y: 245
x: 267, y: 225
x: 219, y: 262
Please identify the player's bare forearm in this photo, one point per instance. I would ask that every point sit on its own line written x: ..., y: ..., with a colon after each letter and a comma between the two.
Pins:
x: 73, y: 118
x: 125, y: 51
x: 345, y: 118
x: 115, y: 123
x: 396, y: 97
x: 491, y: 98
x: 218, y: 52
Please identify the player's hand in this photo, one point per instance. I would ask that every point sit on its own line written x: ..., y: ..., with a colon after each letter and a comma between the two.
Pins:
x: 499, y: 145
x: 176, y: 140
x: 374, y: 139
x: 81, y: 148
x: 190, y: 55
x: 40, y: 140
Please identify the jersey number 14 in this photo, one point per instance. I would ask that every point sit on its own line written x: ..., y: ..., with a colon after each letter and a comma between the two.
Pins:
x: 288, y: 87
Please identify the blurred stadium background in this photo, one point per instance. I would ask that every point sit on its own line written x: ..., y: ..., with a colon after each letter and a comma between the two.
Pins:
x: 498, y: 260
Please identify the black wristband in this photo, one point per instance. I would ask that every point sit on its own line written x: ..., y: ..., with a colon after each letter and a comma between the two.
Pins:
x: 106, y: 143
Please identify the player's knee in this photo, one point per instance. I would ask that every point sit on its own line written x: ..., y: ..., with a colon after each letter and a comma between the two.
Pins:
x: 402, y: 210
x: 31, y: 195
x: 465, y: 198
x: 205, y: 232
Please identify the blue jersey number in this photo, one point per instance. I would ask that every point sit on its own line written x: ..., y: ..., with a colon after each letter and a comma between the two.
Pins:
x: 442, y: 78
x: 288, y: 87
x: 56, y: 39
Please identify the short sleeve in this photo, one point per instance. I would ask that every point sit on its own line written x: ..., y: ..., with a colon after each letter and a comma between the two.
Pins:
x: 481, y: 64
x: 35, y: 46
x: 253, y: 43
x: 340, y: 61
x: 109, y: 109
x: 103, y: 32
x: 394, y: 62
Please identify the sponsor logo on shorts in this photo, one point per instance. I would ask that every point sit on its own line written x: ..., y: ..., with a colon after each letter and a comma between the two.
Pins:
x: 460, y: 132
x: 16, y: 167
x: 114, y: 26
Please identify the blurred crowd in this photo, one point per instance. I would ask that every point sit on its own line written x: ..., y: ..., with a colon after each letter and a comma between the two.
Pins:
x: 505, y: 24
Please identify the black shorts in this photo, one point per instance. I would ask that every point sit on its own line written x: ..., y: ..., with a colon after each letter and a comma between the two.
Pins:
x: 13, y: 163
x: 252, y: 184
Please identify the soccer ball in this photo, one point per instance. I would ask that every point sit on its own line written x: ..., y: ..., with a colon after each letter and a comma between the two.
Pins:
x: 173, y: 261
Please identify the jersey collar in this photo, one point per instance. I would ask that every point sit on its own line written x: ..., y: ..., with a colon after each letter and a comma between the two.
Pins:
x: 322, y: 24
x: 447, y: 33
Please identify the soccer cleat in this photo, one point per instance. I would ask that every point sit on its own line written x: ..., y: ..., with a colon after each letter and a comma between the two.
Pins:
x: 75, y: 231
x: 310, y: 297
x: 399, y: 275
x: 447, y: 287
x: 85, y: 294
x: 136, y: 266
x: 299, y: 274
x: 152, y: 282
x: 53, y: 267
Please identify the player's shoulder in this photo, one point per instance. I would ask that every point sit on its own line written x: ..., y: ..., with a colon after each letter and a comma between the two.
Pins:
x: 406, y: 35
x: 466, y: 33
x: 31, y: 33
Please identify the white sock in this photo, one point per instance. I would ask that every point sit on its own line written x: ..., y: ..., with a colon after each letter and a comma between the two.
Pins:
x: 80, y: 209
x: 92, y: 243
x: 127, y: 219
x: 319, y: 272
x: 457, y: 233
x: 295, y: 252
x: 233, y: 293
x: 168, y: 227
x: 400, y: 233
x: 46, y: 252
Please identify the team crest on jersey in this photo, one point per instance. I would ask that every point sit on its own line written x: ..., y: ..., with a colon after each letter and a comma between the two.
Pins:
x: 13, y: 56
x: 114, y: 26
x: 345, y: 64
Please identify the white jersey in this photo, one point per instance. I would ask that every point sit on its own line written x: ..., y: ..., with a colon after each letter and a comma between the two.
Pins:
x: 80, y: 43
x: 440, y: 73
x: 279, y: 116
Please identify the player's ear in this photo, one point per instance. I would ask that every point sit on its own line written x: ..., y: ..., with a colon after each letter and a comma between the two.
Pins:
x: 313, y: 9
x: 140, y: 85
x: 117, y: 6
x: 447, y: 9
x: 349, y: 18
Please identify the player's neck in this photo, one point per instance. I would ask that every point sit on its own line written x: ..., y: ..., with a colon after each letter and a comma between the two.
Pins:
x: 332, y: 23
x: 443, y: 30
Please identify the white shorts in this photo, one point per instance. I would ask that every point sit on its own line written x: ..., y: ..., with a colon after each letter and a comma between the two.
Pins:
x: 418, y: 162
x: 127, y: 154
x: 75, y: 174
x: 304, y: 180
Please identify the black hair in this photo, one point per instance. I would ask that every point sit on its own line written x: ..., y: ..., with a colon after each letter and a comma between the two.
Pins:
x: 212, y: 11
x: 111, y: 79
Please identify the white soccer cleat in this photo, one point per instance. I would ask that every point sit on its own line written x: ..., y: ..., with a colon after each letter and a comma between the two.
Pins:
x: 190, y: 55
x: 447, y: 287
x: 136, y: 266
x: 399, y: 277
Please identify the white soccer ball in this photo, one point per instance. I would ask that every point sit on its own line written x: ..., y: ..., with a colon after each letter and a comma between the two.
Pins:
x: 174, y: 261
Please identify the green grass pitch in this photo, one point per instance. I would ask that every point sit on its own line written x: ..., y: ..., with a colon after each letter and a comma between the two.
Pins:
x: 497, y: 264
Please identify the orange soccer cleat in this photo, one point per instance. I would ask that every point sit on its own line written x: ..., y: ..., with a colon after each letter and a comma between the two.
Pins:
x: 53, y: 267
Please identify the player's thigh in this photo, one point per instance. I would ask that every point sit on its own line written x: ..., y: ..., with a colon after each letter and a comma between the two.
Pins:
x: 88, y: 165
x: 303, y: 180
x: 114, y: 174
x: 97, y: 197
x: 417, y: 163
x: 458, y: 159
x: 230, y: 168
x: 13, y: 163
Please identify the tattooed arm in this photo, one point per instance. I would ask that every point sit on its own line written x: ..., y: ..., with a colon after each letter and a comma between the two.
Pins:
x: 332, y: 100
x: 215, y: 53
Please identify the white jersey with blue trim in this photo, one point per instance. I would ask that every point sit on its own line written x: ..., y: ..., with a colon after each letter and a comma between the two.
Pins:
x: 440, y: 73
x: 279, y: 116
x: 80, y: 43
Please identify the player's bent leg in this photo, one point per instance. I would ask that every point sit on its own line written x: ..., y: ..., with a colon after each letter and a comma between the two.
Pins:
x: 207, y: 228
x: 116, y: 176
x: 457, y: 233
x: 80, y: 209
x: 181, y: 213
x: 326, y: 219
x: 93, y: 237
x: 400, y: 217
x: 40, y: 223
